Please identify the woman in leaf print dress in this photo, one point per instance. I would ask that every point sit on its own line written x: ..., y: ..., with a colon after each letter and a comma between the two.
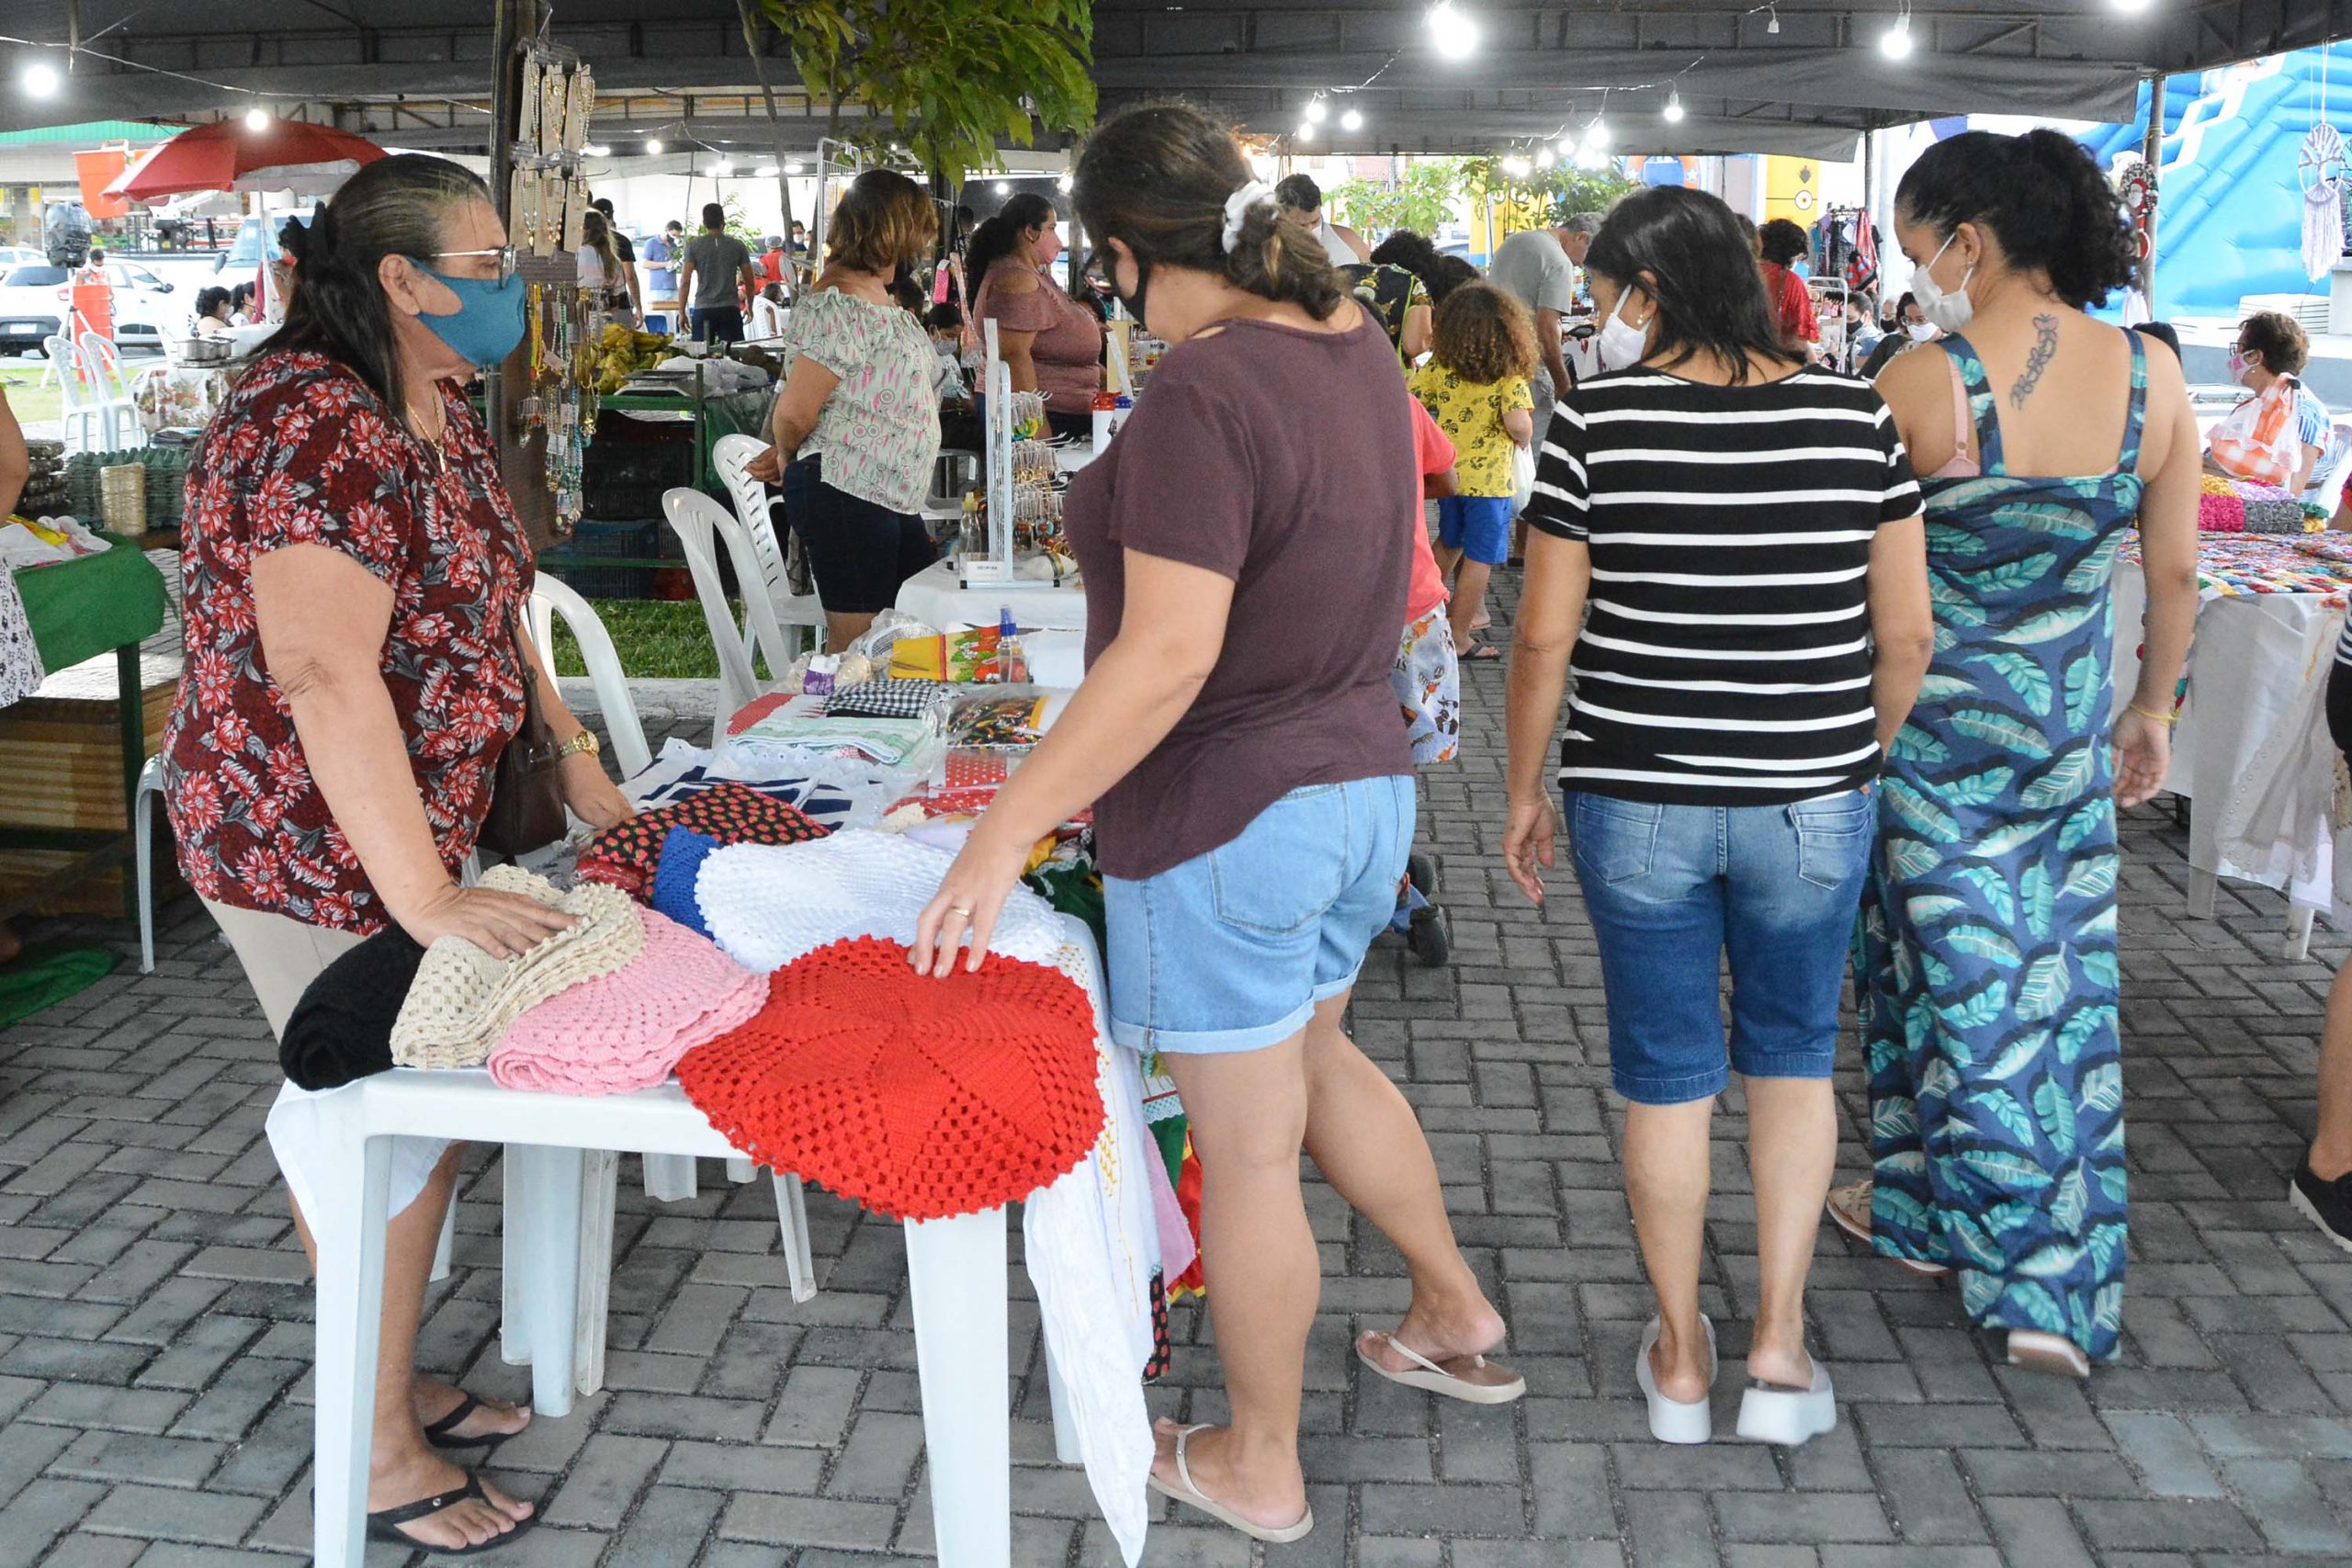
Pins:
x: 1986, y: 962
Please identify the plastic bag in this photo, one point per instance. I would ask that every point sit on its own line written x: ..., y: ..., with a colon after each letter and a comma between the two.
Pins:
x: 1522, y: 477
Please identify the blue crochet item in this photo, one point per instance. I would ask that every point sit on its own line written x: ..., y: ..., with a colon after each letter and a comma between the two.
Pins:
x: 682, y: 852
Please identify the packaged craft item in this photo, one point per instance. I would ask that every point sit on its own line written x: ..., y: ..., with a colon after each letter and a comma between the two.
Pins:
x: 985, y: 654
x: 997, y: 723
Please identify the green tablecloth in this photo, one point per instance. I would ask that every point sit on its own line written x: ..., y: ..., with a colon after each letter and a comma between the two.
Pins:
x: 80, y: 609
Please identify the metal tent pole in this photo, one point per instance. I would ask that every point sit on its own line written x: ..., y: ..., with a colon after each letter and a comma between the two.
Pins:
x: 2152, y: 153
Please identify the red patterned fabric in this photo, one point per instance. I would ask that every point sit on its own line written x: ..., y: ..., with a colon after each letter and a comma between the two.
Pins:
x: 918, y: 1098
x: 627, y: 855
x: 303, y: 453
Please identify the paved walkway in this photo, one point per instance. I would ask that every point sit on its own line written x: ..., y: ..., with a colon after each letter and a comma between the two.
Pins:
x: 154, y: 1338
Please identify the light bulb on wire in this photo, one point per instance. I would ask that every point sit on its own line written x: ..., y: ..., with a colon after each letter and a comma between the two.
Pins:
x: 721, y: 170
x: 1896, y: 42
x: 1307, y: 130
x: 1542, y: 157
x: 1316, y: 109
x: 654, y: 147
x: 1452, y: 34
x: 256, y: 118
x: 1673, y: 108
x: 1596, y: 135
x: 764, y: 172
x: 1516, y: 166
x: 1004, y: 188
x: 793, y: 167
x: 1351, y: 120
x: 1772, y: 21
x: 597, y: 150
x: 1567, y: 145
x: 40, y: 80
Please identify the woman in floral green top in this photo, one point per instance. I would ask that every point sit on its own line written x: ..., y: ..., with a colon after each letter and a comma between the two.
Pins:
x: 856, y: 425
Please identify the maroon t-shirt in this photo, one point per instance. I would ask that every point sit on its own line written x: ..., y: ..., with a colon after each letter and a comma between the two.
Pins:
x: 1281, y: 459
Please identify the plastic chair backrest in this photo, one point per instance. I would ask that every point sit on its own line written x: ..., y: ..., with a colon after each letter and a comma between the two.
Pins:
x: 731, y: 455
x: 551, y: 597
x: 694, y: 517
x: 763, y: 629
x: 105, y: 361
x: 76, y: 391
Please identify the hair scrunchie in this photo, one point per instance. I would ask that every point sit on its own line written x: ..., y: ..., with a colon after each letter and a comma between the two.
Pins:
x: 1254, y: 193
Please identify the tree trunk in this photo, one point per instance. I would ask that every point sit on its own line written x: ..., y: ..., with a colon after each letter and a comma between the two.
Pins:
x: 775, y: 122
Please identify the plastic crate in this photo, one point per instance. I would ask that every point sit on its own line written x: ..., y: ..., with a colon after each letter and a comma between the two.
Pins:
x: 592, y: 539
x: 629, y: 466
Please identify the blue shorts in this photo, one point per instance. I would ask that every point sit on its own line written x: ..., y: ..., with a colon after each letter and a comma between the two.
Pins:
x: 1233, y: 949
x: 1477, y: 525
x: 1670, y: 889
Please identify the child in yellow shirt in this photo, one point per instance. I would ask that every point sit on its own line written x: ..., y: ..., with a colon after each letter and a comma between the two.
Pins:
x: 1475, y: 387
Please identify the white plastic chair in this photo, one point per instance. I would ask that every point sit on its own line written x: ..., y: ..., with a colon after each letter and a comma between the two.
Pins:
x: 88, y: 426
x: 151, y: 782
x: 103, y: 361
x: 551, y: 597
x: 703, y: 527
x: 731, y: 455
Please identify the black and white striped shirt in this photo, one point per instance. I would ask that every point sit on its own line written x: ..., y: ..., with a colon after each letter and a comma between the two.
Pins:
x: 1726, y: 657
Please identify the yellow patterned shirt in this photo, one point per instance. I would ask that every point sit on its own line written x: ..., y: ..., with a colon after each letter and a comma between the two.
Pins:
x: 1471, y: 414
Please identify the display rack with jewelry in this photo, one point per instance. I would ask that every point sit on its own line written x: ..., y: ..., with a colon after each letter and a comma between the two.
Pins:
x: 548, y: 201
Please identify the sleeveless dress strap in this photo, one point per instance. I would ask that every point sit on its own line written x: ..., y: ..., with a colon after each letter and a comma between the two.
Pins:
x: 2135, y: 421
x: 1959, y: 421
x: 1970, y: 370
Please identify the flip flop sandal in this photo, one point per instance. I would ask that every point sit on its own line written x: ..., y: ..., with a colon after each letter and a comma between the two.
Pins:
x: 1850, y: 1210
x: 1482, y: 653
x: 1446, y: 1377
x: 383, y: 1524
x: 443, y: 1434
x: 1186, y: 1493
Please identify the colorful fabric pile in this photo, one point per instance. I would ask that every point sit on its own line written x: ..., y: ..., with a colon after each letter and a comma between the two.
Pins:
x: 628, y: 855
x: 2227, y: 505
x: 2234, y: 565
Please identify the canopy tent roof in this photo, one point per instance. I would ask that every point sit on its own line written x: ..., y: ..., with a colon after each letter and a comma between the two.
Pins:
x: 418, y: 70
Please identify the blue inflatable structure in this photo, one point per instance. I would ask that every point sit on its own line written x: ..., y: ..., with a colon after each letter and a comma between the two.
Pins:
x: 2229, y: 220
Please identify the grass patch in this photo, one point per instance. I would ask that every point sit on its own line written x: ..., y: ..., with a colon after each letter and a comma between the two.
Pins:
x: 28, y: 399
x: 658, y: 639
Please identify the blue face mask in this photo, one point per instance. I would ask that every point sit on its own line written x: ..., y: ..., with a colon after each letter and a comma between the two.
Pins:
x: 488, y: 322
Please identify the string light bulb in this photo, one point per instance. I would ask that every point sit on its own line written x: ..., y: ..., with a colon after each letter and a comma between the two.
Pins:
x: 40, y: 80
x: 1351, y: 120
x: 1596, y: 135
x: 1316, y: 109
x: 2131, y: 7
x: 256, y: 118
x: 1307, y: 130
x: 1896, y: 42
x: 654, y: 147
x: 793, y: 167
x: 1516, y: 166
x: 1452, y: 34
x: 721, y: 170
x: 1542, y: 157
x: 1567, y: 145
x: 597, y: 150
x: 1004, y: 188
x: 764, y: 172
x: 1772, y: 20
x: 1674, y: 108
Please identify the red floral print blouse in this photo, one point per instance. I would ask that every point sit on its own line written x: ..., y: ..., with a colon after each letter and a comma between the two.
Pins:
x: 303, y: 452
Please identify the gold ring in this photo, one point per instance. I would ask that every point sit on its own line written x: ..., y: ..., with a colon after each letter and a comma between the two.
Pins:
x: 959, y: 909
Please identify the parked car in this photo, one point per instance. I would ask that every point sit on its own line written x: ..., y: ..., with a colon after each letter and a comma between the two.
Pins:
x: 34, y: 303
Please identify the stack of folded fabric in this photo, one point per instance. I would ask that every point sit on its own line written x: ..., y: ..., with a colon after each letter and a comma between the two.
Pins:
x: 629, y: 854
x: 885, y: 698
x: 625, y: 1030
x: 918, y: 1098
x: 769, y: 906
x: 341, y: 1029
x: 2228, y: 505
x: 462, y: 1000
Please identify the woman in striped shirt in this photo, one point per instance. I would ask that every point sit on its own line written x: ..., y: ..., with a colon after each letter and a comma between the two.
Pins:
x: 1745, y: 532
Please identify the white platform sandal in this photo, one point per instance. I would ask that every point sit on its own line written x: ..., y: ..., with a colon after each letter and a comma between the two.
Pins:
x: 1788, y: 1417
x: 1672, y: 1421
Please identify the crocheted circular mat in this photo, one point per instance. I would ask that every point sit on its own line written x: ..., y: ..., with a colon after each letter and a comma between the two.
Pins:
x: 918, y: 1098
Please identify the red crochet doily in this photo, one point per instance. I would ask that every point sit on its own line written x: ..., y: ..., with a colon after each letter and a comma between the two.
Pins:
x: 918, y: 1098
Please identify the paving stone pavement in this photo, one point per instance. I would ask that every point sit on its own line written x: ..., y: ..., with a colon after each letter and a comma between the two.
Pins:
x: 154, y: 1338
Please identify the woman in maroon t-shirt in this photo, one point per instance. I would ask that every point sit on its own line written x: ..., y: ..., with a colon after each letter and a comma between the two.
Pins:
x: 1250, y: 779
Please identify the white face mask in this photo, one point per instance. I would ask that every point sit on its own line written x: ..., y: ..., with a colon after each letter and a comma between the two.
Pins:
x: 1621, y: 343
x: 1949, y: 309
x: 1920, y: 331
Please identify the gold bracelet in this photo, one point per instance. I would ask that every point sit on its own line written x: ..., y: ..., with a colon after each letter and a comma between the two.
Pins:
x: 2167, y: 719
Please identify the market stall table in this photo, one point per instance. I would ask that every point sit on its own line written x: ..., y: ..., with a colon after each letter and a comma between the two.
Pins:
x: 78, y: 610
x: 2266, y: 628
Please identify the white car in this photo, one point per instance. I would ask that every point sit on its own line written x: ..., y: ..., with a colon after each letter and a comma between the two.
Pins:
x: 33, y: 306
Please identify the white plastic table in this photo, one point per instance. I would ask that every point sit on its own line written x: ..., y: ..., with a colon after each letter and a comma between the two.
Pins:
x: 960, y: 1328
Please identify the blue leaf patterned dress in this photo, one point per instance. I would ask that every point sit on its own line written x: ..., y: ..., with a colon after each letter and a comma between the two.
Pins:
x: 1986, y: 960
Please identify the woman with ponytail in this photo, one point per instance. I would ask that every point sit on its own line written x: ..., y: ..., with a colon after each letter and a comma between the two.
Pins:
x: 1246, y: 556
x: 1052, y: 343
x: 1988, y: 971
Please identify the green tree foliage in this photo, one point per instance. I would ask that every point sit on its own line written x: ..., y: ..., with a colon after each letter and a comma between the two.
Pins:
x: 1433, y: 190
x: 954, y: 77
x: 1423, y: 200
x: 1559, y: 193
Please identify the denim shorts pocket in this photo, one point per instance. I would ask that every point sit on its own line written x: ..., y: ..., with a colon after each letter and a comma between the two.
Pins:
x: 1612, y: 840
x: 1833, y: 837
x: 1288, y: 867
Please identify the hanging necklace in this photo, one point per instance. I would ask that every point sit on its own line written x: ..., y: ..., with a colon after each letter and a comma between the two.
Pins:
x: 434, y: 442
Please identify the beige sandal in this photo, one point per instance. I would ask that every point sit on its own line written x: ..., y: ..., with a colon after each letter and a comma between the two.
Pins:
x: 1458, y: 1378
x: 1192, y: 1497
x: 1850, y: 1207
x: 2049, y: 1353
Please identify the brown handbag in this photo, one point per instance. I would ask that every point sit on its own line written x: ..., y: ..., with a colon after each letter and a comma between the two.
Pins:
x: 526, y: 787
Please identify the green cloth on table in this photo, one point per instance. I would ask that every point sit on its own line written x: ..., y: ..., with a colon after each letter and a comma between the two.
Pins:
x: 80, y: 609
x: 1074, y: 888
x: 48, y: 973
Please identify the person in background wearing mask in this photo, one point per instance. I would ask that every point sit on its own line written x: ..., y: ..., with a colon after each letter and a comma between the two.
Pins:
x: 2281, y: 434
x: 1745, y: 530
x: 1912, y: 328
x: 1302, y: 203
x: 1986, y: 974
x: 1862, y: 331
x: 1051, y: 343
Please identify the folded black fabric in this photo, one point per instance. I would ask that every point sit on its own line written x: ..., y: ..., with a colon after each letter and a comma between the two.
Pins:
x: 341, y: 1029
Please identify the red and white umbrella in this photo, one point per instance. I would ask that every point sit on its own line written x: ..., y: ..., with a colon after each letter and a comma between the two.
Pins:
x: 289, y: 154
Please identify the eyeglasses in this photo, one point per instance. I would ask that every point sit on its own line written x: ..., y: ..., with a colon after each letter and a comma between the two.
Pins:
x: 510, y: 260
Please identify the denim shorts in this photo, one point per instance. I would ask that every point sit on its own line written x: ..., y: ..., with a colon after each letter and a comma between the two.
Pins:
x: 1672, y: 888
x: 1233, y: 949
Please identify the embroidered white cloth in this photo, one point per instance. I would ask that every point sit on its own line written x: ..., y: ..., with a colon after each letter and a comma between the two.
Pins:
x: 767, y: 904
x: 20, y: 666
